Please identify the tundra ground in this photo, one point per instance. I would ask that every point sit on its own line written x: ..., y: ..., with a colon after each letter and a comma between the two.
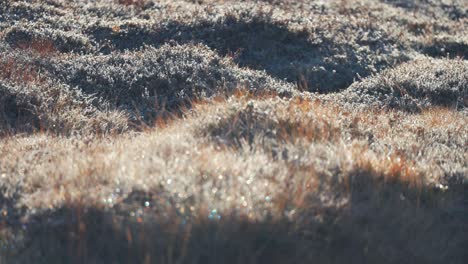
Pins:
x: 138, y: 131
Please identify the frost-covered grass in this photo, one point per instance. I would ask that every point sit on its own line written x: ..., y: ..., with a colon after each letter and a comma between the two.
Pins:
x: 139, y: 131
x: 420, y: 84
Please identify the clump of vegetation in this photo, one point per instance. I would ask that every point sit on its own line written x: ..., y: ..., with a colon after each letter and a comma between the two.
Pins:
x: 150, y: 78
x: 414, y: 86
x: 54, y: 108
x: 32, y: 102
x: 45, y: 40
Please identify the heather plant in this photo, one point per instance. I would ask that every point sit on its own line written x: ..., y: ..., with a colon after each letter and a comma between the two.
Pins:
x: 150, y: 78
x: 413, y: 86
x: 55, y: 108
x: 33, y: 101
x: 26, y: 35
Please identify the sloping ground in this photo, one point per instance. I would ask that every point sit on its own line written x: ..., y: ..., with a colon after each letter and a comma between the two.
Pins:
x: 138, y: 131
x: 419, y: 84
x: 245, y: 180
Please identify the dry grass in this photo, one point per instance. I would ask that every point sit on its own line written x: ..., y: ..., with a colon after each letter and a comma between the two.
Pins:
x: 163, y: 177
x: 18, y: 73
x: 186, y: 131
x: 38, y: 46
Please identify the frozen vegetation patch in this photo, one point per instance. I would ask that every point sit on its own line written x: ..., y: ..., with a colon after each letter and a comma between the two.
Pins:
x: 151, y: 77
x: 316, y: 50
x: 27, y: 35
x: 54, y: 108
x: 451, y: 9
x: 452, y: 46
x: 413, y: 86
